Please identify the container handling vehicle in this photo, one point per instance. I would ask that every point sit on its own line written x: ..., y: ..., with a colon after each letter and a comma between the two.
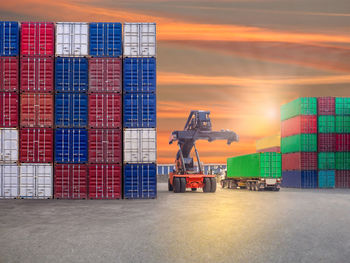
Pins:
x: 185, y: 175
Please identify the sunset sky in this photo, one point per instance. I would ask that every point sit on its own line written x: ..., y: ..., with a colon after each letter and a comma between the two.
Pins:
x: 239, y: 59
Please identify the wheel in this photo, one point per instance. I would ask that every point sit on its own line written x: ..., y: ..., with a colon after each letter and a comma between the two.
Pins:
x: 170, y: 187
x: 213, y: 184
x: 257, y: 187
x: 177, y: 185
x: 194, y: 189
x: 182, y: 184
x: 276, y: 189
x: 253, y: 186
x: 248, y: 186
x: 222, y: 183
x: 207, y: 185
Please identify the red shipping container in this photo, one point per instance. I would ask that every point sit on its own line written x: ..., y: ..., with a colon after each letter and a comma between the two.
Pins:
x: 36, y: 110
x: 9, y: 80
x: 37, y: 74
x: 342, y: 142
x: 105, y: 110
x: 326, y: 142
x: 37, y: 39
x: 299, y: 161
x: 342, y: 179
x: 271, y: 149
x: 326, y: 106
x: 105, y: 146
x: 105, y: 75
x: 299, y: 125
x: 36, y: 145
x: 105, y: 181
x: 70, y: 181
x: 8, y: 109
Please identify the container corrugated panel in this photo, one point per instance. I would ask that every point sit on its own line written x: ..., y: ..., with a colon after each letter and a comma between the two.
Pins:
x: 71, y: 110
x: 300, y: 106
x: 342, y: 179
x: 37, y: 74
x: 342, y: 124
x: 326, y: 142
x: 36, y: 145
x: 71, y: 74
x: 9, y: 38
x: 326, y: 179
x: 342, y: 142
x: 70, y: 181
x: 326, y: 106
x: 139, y: 75
x: 342, y: 106
x: 326, y: 160
x: 299, y: 161
x: 105, y: 181
x: 105, y: 39
x: 139, y: 40
x: 326, y: 124
x: 36, y: 180
x: 71, y: 146
x: 269, y: 150
x: 300, y: 179
x: 140, y: 181
x: 37, y: 38
x: 256, y: 165
x: 72, y: 39
x: 268, y: 142
x: 8, y: 145
x: 105, y: 110
x: 8, y: 109
x: 140, y: 145
x: 342, y: 160
x: 139, y: 110
x: 9, y: 181
x: 9, y: 74
x: 36, y: 110
x: 105, y: 75
x: 301, y: 124
x: 105, y: 146
x: 299, y: 143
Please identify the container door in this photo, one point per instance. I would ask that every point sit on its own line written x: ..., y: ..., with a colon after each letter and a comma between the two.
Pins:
x: 27, y: 180
x: 148, y: 145
x: 78, y: 181
x: 63, y: 145
x: 63, y: 39
x: 9, y: 74
x: 113, y: 75
x: 147, y: 39
x: 9, y: 145
x: 79, y: 145
x: 62, y: 108
x: 79, y: 110
x: 113, y: 111
x: 113, y: 181
x: 44, y: 145
x: 45, y: 39
x: 79, y: 74
x: 28, y: 106
x: 113, y: 41
x: 9, y: 181
x: 148, y: 181
x: 9, y: 107
x: 44, y: 181
x: 44, y: 109
x: 9, y: 32
x: 112, y: 151
x: 79, y: 39
x: 131, y: 39
x: 45, y: 74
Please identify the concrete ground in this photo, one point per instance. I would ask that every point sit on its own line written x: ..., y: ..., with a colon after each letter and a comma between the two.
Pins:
x: 228, y: 226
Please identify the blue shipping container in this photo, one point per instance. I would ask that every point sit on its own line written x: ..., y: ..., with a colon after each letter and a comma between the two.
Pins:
x: 71, y: 110
x: 9, y: 38
x: 326, y: 179
x: 139, y: 110
x: 71, y: 74
x: 71, y: 145
x: 105, y: 39
x: 140, y: 181
x: 299, y: 179
x: 139, y: 75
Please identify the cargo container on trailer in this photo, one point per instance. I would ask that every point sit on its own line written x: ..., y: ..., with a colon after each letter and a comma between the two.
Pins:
x: 139, y: 40
x: 9, y: 109
x: 9, y: 38
x: 326, y: 179
x: 105, y: 146
x: 301, y: 124
x: 8, y: 145
x: 299, y: 161
x: 37, y: 110
x: 9, y: 74
x: 105, y: 39
x: 342, y: 179
x: 71, y: 110
x: 35, y: 180
x: 9, y: 180
x: 326, y: 142
x: 300, y: 179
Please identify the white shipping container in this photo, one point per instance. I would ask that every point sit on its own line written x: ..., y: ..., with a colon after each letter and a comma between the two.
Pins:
x: 8, y: 145
x: 140, y: 145
x: 139, y: 40
x: 72, y: 39
x: 9, y: 179
x: 35, y: 180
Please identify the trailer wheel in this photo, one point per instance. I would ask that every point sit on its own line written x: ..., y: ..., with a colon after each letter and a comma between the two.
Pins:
x: 254, y: 186
x: 207, y: 185
x: 177, y: 185
x: 170, y: 187
x: 276, y: 189
x: 222, y: 183
x: 213, y: 184
x: 257, y: 187
x: 182, y: 184
x: 248, y: 186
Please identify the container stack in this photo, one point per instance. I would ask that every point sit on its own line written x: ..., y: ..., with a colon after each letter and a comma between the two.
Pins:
x: 71, y: 110
x: 9, y: 88
x: 105, y: 111
x: 139, y: 110
x: 299, y: 143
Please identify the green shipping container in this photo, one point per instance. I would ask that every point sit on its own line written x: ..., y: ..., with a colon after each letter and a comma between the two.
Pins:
x: 299, y: 143
x: 300, y: 106
x: 342, y: 160
x: 342, y: 106
x: 342, y: 124
x: 256, y: 165
x: 326, y: 124
x: 326, y: 161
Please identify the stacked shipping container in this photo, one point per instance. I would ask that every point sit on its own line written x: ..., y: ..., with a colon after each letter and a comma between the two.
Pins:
x: 139, y: 110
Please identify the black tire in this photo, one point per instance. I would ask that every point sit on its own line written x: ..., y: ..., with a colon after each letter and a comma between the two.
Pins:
x: 222, y: 183
x: 170, y: 187
x: 257, y: 187
x: 213, y: 184
x: 253, y: 186
x: 177, y: 185
x: 182, y: 184
x: 248, y: 186
x: 194, y: 189
x: 277, y: 189
x: 207, y: 185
